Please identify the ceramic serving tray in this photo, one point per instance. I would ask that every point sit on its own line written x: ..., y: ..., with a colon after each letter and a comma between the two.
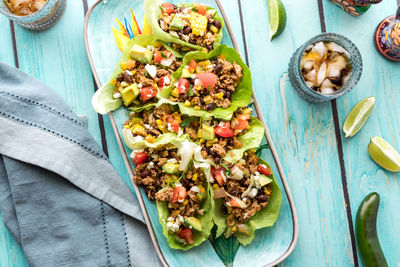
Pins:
x: 271, y: 245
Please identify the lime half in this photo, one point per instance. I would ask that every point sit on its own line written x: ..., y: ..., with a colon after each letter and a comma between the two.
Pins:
x: 358, y: 116
x: 384, y: 154
x: 277, y: 17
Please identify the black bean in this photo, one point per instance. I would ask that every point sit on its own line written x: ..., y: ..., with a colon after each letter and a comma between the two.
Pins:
x: 144, y: 173
x: 224, y: 209
x: 210, y: 47
x: 183, y: 97
x: 211, y: 152
x: 186, y: 30
x: 230, y: 142
x: 192, y: 41
x: 262, y: 198
x: 127, y: 77
x: 228, y: 94
x: 218, y: 68
x: 191, y: 81
x: 234, y: 192
x: 158, y: 182
x: 241, y: 182
x: 120, y: 78
x: 202, y: 101
x: 220, y: 90
x: 217, y: 159
x: 184, y: 182
x: 217, y: 24
x: 210, y: 106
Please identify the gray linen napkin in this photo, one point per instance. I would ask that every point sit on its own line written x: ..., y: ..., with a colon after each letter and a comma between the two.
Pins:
x: 59, y: 195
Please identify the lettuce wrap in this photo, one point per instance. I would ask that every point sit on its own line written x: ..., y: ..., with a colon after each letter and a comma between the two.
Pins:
x: 241, y: 97
x: 266, y: 217
x: 153, y: 11
x: 104, y: 100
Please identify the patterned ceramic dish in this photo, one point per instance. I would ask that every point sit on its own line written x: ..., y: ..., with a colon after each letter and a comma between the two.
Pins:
x: 272, y: 245
x: 296, y: 77
x: 46, y: 17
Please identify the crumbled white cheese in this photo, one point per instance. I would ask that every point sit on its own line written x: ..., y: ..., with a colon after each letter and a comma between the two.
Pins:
x: 170, y: 219
x: 169, y: 127
x: 228, y: 204
x: 180, y: 132
x: 139, y: 85
x: 253, y: 193
x: 167, y: 80
x: 173, y: 227
x: 245, y: 215
x: 244, y: 199
x: 193, y: 76
x: 148, y: 126
x: 179, y: 219
x: 237, y: 173
x: 117, y: 95
x: 129, y: 72
x: 197, y: 82
x: 124, y: 84
x: 167, y: 61
x: 132, y: 155
x: 151, y: 70
x: 221, y: 123
x: 172, y: 160
x: 195, y: 189
x: 150, y: 165
x: 154, y: 156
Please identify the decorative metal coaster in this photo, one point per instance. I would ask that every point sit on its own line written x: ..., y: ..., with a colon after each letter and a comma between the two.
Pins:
x: 355, y: 7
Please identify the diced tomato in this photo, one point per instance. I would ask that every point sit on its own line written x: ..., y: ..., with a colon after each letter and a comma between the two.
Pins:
x: 139, y: 158
x: 201, y: 9
x: 164, y: 81
x: 233, y: 203
x: 168, y: 8
x: 186, y: 234
x: 244, y: 117
x: 261, y: 168
x: 242, y: 125
x: 174, y: 123
x: 208, y: 80
x: 157, y: 57
x: 225, y: 130
x: 148, y: 92
x: 183, y: 85
x: 192, y: 66
x: 178, y: 195
x: 218, y: 174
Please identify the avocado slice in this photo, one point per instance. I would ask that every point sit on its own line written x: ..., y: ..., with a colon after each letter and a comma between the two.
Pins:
x: 207, y: 132
x: 264, y: 180
x: 141, y: 54
x: 194, y: 222
x: 171, y: 168
x: 176, y: 24
x: 129, y: 94
x: 186, y: 73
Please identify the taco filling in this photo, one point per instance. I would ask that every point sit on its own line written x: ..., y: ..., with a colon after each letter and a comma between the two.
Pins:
x: 184, y: 199
x: 150, y: 124
x: 244, y: 188
x: 147, y: 71
x: 156, y: 168
x: 194, y: 24
x: 207, y: 84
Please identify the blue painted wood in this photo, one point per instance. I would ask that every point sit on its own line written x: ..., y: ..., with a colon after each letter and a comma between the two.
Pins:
x: 381, y: 79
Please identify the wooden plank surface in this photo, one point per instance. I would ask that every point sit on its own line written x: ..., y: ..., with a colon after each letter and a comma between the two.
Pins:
x: 381, y: 79
x: 303, y: 133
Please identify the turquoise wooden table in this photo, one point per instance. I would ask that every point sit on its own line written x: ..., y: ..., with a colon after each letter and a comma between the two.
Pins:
x: 328, y: 174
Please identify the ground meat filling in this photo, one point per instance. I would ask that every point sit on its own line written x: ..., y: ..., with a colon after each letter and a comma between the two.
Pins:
x: 134, y: 71
x: 151, y: 174
x: 188, y: 204
x: 191, y: 24
x: 238, y: 179
x: 228, y: 76
x: 150, y: 124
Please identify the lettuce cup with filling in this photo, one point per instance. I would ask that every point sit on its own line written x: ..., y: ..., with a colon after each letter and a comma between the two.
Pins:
x: 145, y: 69
x: 246, y: 197
x: 185, y: 26
x: 212, y: 84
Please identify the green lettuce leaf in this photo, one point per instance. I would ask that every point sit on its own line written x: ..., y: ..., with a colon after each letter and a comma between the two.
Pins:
x: 103, y: 100
x: 136, y: 143
x: 264, y: 218
x: 251, y: 139
x: 240, y: 98
x: 152, y: 11
x: 199, y: 237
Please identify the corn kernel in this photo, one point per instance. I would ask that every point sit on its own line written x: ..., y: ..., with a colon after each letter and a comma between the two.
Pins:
x: 136, y: 120
x: 126, y: 126
x: 208, y: 99
x: 185, y: 202
x: 202, y: 141
x: 194, y: 178
x: 197, y: 108
x: 113, y: 82
x: 160, y: 125
x: 229, y: 209
x: 234, y: 228
x: 202, y: 190
x: 253, y: 150
x: 138, y: 129
x: 187, y: 103
x: 220, y: 95
x: 216, y: 186
x: 175, y: 92
x: 198, y: 23
x: 214, y: 29
x: 149, y: 138
x: 204, y: 63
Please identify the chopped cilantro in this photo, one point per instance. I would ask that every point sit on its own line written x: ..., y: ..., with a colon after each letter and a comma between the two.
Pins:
x: 186, y: 122
x: 195, y: 9
x: 261, y: 148
x: 163, y: 55
x: 227, y: 170
x: 190, y: 92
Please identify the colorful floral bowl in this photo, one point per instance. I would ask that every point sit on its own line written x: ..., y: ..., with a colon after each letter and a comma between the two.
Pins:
x: 46, y: 17
x: 296, y: 77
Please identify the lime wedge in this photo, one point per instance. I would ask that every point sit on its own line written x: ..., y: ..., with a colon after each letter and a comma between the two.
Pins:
x: 277, y: 17
x: 384, y: 154
x: 358, y: 116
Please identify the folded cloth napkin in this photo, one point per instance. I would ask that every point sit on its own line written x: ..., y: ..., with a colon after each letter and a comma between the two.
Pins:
x: 59, y: 195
